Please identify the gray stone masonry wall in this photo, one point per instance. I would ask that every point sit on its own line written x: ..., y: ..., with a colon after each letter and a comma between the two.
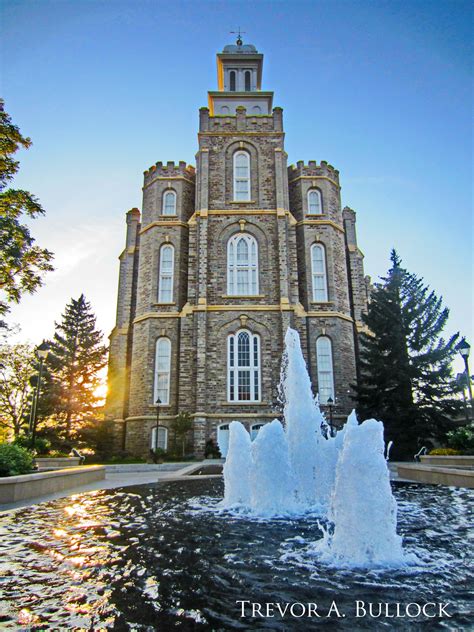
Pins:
x: 202, y: 314
x: 121, y: 336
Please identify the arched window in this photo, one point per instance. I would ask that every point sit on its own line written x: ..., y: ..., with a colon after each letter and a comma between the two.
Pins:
x: 315, y: 206
x: 254, y: 428
x: 242, y: 265
x: 169, y: 203
x: 325, y: 371
x: 243, y: 367
x: 162, y: 438
x: 241, y: 176
x: 161, y: 388
x: 256, y: 109
x: 318, y: 267
x: 248, y: 80
x: 223, y: 439
x: 165, y: 283
x: 232, y: 80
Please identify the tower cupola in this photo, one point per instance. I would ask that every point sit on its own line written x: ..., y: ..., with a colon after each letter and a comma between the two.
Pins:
x: 239, y: 81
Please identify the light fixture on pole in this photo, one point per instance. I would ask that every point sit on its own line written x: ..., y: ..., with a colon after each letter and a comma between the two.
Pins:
x: 42, y: 354
x: 464, y: 348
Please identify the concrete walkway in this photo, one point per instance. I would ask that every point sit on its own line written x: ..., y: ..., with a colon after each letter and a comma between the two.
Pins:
x: 122, y: 476
x: 142, y: 474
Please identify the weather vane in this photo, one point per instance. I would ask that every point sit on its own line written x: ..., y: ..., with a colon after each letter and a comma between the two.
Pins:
x: 239, y: 34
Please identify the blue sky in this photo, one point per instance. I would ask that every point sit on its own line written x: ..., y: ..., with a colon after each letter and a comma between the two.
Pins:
x: 381, y: 90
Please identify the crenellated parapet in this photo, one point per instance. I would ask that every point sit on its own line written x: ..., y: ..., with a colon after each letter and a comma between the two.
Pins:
x: 243, y: 121
x: 313, y: 170
x: 169, y: 170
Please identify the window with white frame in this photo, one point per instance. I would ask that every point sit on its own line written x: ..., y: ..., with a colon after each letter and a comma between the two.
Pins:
x: 243, y: 364
x: 315, y: 206
x: 232, y: 80
x: 254, y: 430
x: 241, y: 176
x: 318, y: 269
x: 162, y: 438
x: 161, y: 388
x: 169, y: 203
x: 325, y: 369
x: 165, y: 283
x: 242, y: 265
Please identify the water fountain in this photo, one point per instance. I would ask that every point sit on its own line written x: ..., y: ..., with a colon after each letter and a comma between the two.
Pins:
x: 363, y: 509
x: 295, y: 469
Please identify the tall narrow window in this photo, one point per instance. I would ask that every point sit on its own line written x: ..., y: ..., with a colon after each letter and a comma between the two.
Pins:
x: 241, y: 176
x: 161, y: 388
x: 242, y: 265
x: 243, y: 367
x: 315, y: 206
x: 248, y: 80
x: 232, y: 80
x: 169, y: 203
x: 165, y: 284
x: 325, y: 371
x: 318, y: 265
x: 162, y: 438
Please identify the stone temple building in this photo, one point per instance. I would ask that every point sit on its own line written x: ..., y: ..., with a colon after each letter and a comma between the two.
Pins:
x: 220, y: 261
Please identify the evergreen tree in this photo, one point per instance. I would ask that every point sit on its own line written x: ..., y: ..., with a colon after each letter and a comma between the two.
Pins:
x: 405, y: 365
x: 22, y: 263
x: 76, y: 356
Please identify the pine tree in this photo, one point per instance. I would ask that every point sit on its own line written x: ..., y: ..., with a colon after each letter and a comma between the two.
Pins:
x: 405, y: 365
x: 76, y: 356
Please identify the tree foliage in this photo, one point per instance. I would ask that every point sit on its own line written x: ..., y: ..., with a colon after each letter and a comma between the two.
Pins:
x: 17, y: 366
x: 76, y: 356
x: 406, y: 377
x: 180, y: 426
x: 22, y: 262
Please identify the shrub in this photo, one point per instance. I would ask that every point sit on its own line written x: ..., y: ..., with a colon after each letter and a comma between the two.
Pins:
x: 211, y: 451
x: 462, y: 439
x: 42, y: 446
x: 444, y: 452
x: 14, y: 460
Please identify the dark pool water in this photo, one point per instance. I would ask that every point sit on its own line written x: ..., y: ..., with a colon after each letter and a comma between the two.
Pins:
x: 150, y: 558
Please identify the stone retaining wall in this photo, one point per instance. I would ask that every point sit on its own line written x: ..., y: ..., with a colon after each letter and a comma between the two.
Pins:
x: 437, y: 475
x: 15, y: 488
x: 453, y: 461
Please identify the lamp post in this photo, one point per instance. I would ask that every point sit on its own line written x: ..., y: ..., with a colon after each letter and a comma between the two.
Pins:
x: 330, y: 404
x: 41, y: 354
x: 155, y: 454
x: 464, y: 349
x: 461, y: 380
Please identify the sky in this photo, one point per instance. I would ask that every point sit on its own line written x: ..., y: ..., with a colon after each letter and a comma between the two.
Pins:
x: 380, y: 89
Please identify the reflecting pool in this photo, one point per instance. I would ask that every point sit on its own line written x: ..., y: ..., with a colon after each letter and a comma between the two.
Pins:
x: 163, y: 556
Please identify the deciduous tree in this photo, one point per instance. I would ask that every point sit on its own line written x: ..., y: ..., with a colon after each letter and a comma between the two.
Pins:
x: 22, y: 262
x: 17, y: 366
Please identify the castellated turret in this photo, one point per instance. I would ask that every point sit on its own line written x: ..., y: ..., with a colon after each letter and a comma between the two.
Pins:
x: 222, y: 259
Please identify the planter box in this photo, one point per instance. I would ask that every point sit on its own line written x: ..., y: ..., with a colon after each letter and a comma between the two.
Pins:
x: 15, y: 488
x: 454, y: 461
x: 437, y: 475
x: 56, y: 462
